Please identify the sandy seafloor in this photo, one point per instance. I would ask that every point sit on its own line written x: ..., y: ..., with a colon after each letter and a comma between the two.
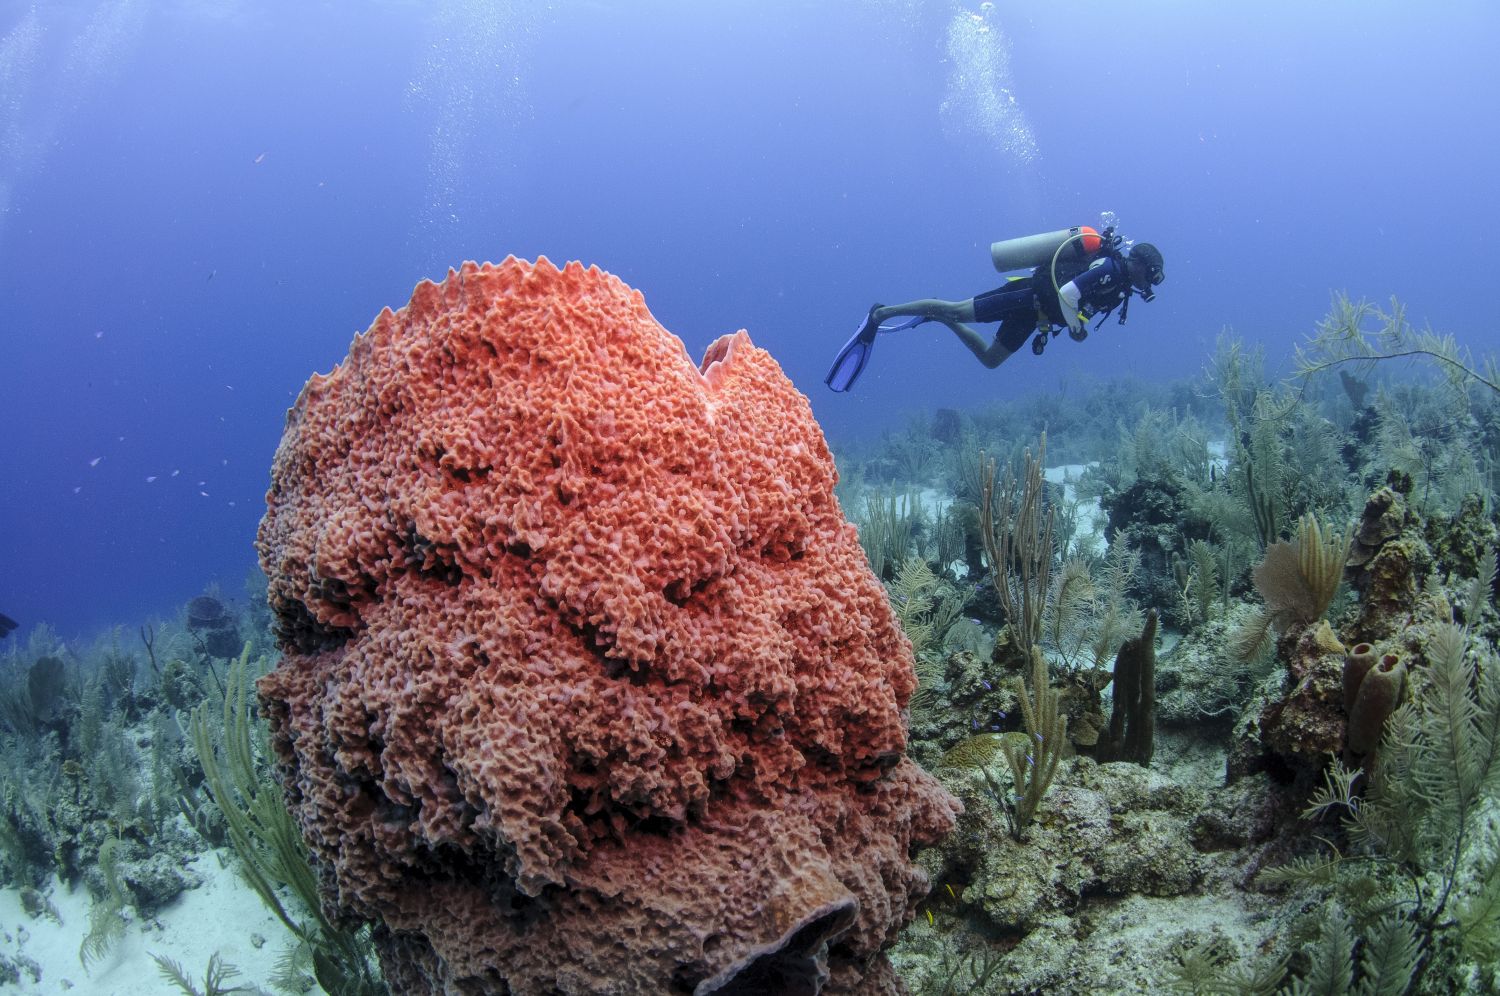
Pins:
x: 221, y: 915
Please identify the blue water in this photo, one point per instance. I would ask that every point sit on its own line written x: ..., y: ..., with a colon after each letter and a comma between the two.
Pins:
x: 203, y: 202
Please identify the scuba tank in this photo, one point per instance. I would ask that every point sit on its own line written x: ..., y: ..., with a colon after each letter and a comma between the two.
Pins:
x: 1078, y: 243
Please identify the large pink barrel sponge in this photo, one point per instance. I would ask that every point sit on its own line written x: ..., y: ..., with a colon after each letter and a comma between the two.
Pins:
x: 586, y: 685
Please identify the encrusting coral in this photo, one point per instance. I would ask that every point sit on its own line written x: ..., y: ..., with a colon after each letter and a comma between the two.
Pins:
x: 587, y: 686
x: 1389, y: 562
x: 1301, y: 720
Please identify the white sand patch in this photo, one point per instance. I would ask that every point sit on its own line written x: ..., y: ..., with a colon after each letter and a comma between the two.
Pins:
x: 1138, y: 938
x: 1091, y: 518
x: 933, y: 502
x: 221, y: 915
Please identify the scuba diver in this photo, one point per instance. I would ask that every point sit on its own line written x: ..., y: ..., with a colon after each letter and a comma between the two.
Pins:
x: 1079, y: 273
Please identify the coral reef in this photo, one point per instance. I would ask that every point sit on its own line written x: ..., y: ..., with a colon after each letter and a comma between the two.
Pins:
x: 586, y: 679
x: 92, y: 777
x: 1428, y: 809
x: 1107, y: 828
x: 1388, y: 562
x: 211, y: 622
x: 1198, y: 685
x: 1266, y: 694
x: 1108, y: 832
x: 1460, y: 542
x: 587, y: 685
x: 1152, y: 517
x: 1303, y: 721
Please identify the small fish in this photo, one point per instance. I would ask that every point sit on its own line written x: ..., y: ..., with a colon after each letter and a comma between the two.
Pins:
x: 260, y: 159
x: 151, y: 478
x: 210, y: 275
x: 95, y: 462
x: 76, y: 490
x: 99, y: 334
x: 176, y: 472
x: 203, y: 493
x: 7, y: 625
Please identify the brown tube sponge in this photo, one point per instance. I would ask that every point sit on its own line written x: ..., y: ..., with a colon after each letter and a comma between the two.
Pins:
x: 1378, y: 695
x: 1356, y: 665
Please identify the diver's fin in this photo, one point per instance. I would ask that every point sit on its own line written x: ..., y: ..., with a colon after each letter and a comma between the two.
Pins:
x: 850, y: 362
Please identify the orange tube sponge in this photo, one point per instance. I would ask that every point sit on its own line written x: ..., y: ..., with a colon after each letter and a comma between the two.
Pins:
x: 586, y: 685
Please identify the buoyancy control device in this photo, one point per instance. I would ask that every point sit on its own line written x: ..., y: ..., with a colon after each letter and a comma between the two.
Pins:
x: 1058, y: 256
